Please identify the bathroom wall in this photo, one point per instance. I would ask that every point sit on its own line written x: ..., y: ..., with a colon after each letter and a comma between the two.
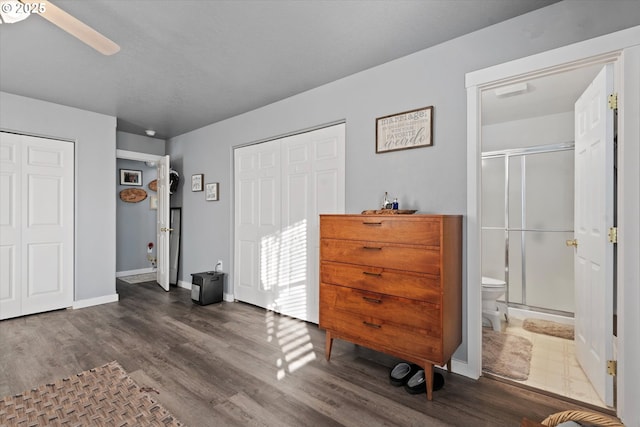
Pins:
x: 543, y: 257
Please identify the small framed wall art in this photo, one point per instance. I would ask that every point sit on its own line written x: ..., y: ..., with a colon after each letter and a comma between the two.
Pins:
x: 130, y: 177
x: 211, y: 191
x: 196, y: 182
x: 401, y: 131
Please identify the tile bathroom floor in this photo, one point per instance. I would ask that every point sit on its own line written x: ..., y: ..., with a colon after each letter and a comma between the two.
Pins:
x: 554, y: 367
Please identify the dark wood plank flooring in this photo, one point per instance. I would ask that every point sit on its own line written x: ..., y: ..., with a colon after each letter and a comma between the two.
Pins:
x: 233, y: 364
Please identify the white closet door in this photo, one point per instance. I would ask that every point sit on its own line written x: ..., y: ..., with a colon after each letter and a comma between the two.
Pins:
x: 37, y: 198
x: 10, y: 226
x: 257, y: 223
x: 312, y: 183
x: 276, y: 215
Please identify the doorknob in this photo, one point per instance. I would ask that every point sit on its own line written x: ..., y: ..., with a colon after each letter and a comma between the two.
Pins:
x: 572, y: 242
x: 166, y: 229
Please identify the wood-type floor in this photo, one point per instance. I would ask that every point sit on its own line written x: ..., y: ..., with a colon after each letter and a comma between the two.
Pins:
x: 233, y: 364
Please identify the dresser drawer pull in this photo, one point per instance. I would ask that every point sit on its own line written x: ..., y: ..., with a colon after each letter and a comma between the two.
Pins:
x: 368, y: 273
x: 373, y: 300
x: 372, y: 223
x: 372, y: 248
x: 371, y: 325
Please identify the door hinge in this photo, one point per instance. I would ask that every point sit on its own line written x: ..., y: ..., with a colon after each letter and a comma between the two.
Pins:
x: 613, y: 101
x: 613, y: 234
x: 612, y: 367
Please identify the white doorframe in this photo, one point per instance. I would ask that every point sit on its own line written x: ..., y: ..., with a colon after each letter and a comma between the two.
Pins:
x: 623, y: 47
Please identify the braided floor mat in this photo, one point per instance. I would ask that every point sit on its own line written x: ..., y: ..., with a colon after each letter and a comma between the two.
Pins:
x: 104, y: 396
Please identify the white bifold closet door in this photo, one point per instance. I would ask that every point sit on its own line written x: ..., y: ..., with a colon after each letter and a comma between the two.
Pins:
x: 36, y: 224
x: 281, y: 187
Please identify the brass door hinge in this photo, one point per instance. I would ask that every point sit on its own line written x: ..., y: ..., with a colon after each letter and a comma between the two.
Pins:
x: 613, y: 234
x: 613, y: 101
x: 612, y: 367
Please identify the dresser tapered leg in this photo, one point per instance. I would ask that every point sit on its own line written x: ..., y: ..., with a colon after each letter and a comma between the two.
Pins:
x: 449, y: 366
x: 428, y: 376
x: 327, y: 345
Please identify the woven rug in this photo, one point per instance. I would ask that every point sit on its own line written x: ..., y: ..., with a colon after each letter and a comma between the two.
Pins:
x: 506, y: 355
x: 548, y: 327
x: 139, y: 278
x: 104, y: 396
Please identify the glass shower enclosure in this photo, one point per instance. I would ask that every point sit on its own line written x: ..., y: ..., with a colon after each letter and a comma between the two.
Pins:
x: 527, y: 216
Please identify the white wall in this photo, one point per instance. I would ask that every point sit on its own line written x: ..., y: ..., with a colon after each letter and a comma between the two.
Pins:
x: 531, y: 132
x: 95, y: 144
x: 430, y: 179
x: 140, y: 143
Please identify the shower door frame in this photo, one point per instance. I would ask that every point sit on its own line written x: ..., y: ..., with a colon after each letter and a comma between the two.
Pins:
x: 522, y: 153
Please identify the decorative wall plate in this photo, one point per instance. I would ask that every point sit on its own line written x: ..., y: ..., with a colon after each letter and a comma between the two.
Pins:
x: 153, y: 185
x: 133, y: 195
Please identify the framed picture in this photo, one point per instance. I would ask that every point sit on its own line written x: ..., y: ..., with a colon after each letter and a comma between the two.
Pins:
x: 196, y: 182
x: 211, y: 191
x: 401, y: 131
x: 130, y: 177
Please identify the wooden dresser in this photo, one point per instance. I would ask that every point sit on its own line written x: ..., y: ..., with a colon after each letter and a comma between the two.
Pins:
x: 393, y: 283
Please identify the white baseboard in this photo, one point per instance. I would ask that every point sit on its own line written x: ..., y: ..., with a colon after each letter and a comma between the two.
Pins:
x: 134, y: 272
x: 95, y: 301
x: 228, y: 297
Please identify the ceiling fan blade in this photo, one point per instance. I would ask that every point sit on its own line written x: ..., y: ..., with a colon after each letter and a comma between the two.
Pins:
x: 78, y: 29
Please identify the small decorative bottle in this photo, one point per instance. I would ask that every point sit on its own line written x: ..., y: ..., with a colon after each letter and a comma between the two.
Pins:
x: 386, y: 203
x: 395, y: 203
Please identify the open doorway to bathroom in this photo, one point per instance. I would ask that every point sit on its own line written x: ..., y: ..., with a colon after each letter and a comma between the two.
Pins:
x: 527, y: 218
x: 144, y: 220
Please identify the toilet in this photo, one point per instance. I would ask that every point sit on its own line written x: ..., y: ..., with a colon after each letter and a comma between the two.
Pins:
x: 492, y: 289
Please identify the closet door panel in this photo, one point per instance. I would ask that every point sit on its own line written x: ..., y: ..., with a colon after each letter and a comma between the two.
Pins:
x: 36, y: 224
x: 10, y: 226
x: 280, y: 188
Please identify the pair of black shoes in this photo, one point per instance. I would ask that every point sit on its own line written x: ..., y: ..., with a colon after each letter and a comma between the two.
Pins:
x: 411, y: 376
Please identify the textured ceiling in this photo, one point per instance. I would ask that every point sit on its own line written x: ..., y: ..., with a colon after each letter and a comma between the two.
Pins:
x: 185, y: 64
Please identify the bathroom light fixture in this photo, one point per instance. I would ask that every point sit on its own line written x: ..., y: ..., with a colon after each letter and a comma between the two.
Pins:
x: 150, y: 132
x: 511, y: 89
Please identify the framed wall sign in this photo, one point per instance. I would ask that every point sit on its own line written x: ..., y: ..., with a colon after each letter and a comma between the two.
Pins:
x: 196, y: 182
x: 211, y: 191
x: 401, y: 131
x: 130, y: 177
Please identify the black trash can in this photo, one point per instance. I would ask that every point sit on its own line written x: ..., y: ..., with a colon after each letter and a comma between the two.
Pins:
x: 207, y: 287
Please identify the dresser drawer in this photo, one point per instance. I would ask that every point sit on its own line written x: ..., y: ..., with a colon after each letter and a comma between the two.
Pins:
x: 401, y: 311
x: 386, y: 255
x: 419, y: 286
x: 382, y: 335
x: 382, y: 228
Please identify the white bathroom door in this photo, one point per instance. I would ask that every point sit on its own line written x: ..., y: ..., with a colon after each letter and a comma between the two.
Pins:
x: 594, y: 190
x: 163, y: 225
x: 36, y: 224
